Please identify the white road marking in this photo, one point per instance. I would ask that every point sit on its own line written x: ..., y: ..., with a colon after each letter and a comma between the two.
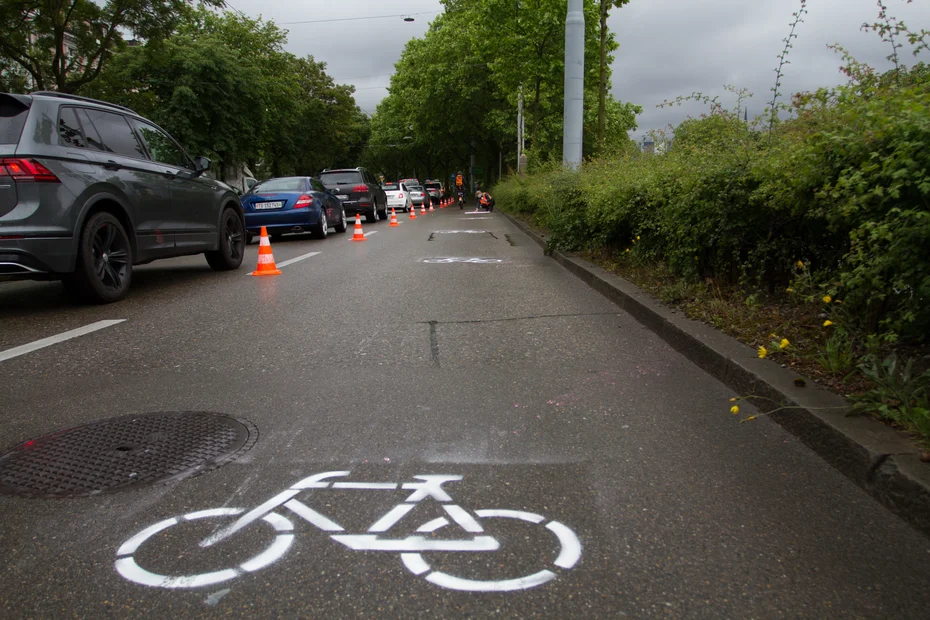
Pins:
x: 312, y: 516
x: 253, y: 515
x: 391, y: 518
x: 571, y: 546
x: 133, y: 543
x: 451, y: 582
x: 46, y: 342
x: 365, y: 485
x: 374, y: 232
x: 362, y: 542
x: 314, y: 481
x: 415, y: 563
x: 460, y: 516
x: 511, y: 514
x: 433, y: 525
x: 297, y: 259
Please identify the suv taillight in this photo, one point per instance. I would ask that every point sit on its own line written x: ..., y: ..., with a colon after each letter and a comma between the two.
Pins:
x: 303, y: 201
x: 27, y: 170
x: 360, y: 188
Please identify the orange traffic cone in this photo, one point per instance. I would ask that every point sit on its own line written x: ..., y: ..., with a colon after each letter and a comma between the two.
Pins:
x: 413, y: 212
x: 359, y: 235
x: 431, y: 209
x: 266, y: 266
x: 394, y: 221
x: 422, y: 209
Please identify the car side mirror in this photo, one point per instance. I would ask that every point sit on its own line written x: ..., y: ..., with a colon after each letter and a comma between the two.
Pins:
x: 201, y: 164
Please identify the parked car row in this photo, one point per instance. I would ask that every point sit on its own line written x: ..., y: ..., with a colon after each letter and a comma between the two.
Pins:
x: 89, y: 189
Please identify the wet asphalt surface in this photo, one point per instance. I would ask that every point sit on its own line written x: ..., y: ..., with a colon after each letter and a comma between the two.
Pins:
x: 539, y: 393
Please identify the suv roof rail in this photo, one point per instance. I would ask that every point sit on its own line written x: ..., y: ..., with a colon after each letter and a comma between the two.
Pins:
x: 52, y: 93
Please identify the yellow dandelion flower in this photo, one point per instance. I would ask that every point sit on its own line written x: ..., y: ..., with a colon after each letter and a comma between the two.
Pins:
x: 628, y: 249
x: 783, y: 344
x: 637, y: 237
x: 734, y: 410
x: 827, y: 323
x: 763, y: 352
x: 789, y: 290
x: 800, y: 264
x: 827, y: 299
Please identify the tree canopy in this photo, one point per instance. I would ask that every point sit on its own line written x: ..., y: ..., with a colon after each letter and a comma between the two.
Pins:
x: 455, y: 91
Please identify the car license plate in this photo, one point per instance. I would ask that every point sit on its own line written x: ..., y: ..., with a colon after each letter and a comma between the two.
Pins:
x: 268, y: 205
x: 342, y: 197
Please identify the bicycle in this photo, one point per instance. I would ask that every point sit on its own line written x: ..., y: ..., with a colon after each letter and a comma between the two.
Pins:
x: 410, y: 548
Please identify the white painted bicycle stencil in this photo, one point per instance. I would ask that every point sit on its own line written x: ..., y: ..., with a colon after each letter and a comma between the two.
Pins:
x: 410, y: 548
x: 474, y: 261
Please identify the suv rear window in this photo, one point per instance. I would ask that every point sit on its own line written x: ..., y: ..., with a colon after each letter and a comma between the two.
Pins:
x: 13, y: 113
x: 342, y: 178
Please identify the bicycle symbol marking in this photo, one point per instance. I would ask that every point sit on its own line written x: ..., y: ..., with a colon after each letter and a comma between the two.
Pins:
x: 411, y: 548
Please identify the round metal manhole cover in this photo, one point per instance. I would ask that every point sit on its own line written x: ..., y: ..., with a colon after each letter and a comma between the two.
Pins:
x: 124, y: 453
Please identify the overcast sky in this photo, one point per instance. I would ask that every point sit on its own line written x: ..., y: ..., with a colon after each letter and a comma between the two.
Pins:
x: 667, y: 47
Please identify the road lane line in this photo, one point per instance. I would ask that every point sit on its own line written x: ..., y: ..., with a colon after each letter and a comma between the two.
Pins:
x: 291, y: 261
x: 374, y: 232
x: 46, y: 342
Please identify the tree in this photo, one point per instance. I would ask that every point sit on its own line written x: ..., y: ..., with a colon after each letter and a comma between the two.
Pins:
x: 65, y: 44
x: 223, y: 85
x: 458, y: 88
x: 606, y: 5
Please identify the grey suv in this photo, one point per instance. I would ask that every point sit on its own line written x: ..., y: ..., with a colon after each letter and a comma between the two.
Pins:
x: 359, y: 192
x: 88, y: 189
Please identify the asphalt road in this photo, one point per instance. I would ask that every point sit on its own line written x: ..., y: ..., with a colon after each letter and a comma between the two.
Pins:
x: 377, y: 360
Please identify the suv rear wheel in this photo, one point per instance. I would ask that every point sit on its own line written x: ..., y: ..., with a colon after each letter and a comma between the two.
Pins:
x: 104, y: 262
x: 383, y: 214
x: 231, y: 248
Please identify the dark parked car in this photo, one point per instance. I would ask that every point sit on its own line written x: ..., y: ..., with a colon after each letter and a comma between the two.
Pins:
x: 88, y: 189
x: 292, y: 205
x: 359, y: 192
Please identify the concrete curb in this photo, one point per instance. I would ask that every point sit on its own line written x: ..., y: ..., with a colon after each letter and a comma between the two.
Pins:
x: 882, y: 461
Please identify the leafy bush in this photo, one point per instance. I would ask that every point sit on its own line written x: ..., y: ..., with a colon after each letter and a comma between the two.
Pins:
x: 842, y: 187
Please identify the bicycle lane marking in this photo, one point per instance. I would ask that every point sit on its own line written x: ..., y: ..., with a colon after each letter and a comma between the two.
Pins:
x: 47, y: 342
x: 409, y: 548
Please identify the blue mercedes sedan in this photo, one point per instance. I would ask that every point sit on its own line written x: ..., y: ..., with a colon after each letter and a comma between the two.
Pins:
x: 292, y: 205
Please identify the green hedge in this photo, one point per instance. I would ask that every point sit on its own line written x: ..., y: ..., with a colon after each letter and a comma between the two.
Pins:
x: 842, y: 187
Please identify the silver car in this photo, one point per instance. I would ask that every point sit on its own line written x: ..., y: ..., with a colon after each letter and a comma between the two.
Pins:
x: 88, y: 189
x: 418, y: 195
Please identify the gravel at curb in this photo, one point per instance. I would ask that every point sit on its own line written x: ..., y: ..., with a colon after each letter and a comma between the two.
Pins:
x: 882, y: 461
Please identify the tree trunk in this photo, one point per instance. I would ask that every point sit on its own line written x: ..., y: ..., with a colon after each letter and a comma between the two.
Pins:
x: 602, y: 96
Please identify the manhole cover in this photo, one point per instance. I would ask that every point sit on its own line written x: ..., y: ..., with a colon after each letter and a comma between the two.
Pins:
x: 124, y: 453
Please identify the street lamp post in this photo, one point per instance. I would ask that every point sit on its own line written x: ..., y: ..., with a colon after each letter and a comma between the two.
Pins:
x: 573, y: 124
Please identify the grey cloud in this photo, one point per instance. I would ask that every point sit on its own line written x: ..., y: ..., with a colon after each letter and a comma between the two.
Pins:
x: 668, y: 47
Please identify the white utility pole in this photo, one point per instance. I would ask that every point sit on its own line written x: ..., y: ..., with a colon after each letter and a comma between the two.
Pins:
x: 573, y: 125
